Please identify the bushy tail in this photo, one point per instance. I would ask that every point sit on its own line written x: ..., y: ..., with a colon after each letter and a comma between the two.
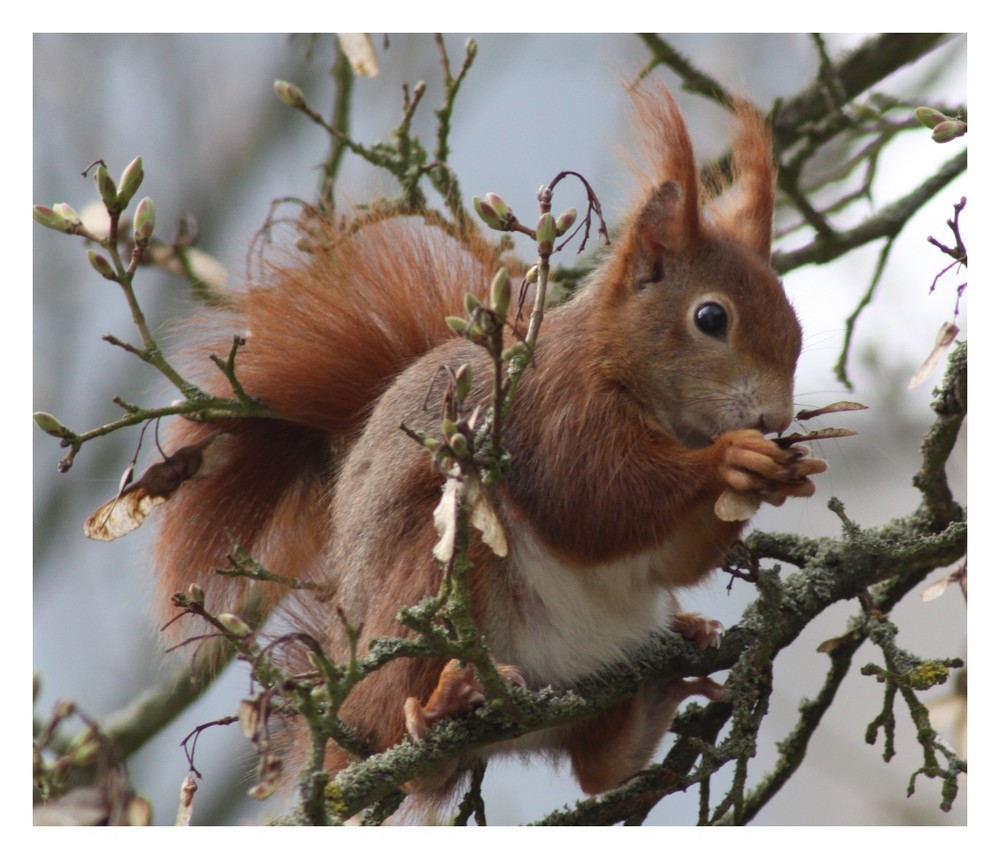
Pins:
x: 324, y: 337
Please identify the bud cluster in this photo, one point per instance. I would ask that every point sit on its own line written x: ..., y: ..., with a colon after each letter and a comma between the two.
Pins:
x: 943, y: 128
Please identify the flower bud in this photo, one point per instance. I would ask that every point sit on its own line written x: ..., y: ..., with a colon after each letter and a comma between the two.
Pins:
x: 565, y: 221
x: 61, y: 217
x: 457, y: 324
x: 101, y: 265
x: 145, y: 221
x: 500, y: 293
x: 531, y: 275
x: 130, y: 181
x: 106, y: 188
x: 929, y: 117
x: 498, y: 204
x: 448, y: 427
x: 66, y: 211
x: 48, y: 424
x: 196, y: 594
x: 515, y: 351
x: 545, y: 233
x: 471, y: 48
x: 290, y: 94
x: 950, y: 129
x: 494, y: 211
x: 233, y: 624
x: 463, y: 382
x: 472, y: 304
x: 459, y: 445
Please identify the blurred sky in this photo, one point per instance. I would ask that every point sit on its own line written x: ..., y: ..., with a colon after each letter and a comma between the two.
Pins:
x: 216, y: 144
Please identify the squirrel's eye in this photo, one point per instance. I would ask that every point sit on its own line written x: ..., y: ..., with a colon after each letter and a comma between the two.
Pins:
x: 711, y: 319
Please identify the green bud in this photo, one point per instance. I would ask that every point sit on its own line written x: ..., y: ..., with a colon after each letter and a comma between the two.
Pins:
x: 130, y: 181
x: 471, y: 48
x: 145, y: 221
x: 472, y: 304
x: 929, y: 117
x: 64, y: 709
x: 101, y: 265
x: 488, y: 216
x: 545, y: 233
x: 49, y: 425
x: 289, y: 94
x: 66, y: 211
x: 457, y: 324
x: 514, y: 351
x: 459, y: 445
x: 196, y: 594
x: 448, y: 427
x: 61, y: 217
x: 463, y: 382
x: 565, y: 221
x: 531, y: 275
x: 950, y: 129
x: 432, y: 444
x: 498, y: 205
x: 233, y: 624
x: 494, y: 211
x: 106, y: 188
x: 500, y: 293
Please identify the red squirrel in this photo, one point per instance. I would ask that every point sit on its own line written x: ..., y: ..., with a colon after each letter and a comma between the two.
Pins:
x: 648, y: 396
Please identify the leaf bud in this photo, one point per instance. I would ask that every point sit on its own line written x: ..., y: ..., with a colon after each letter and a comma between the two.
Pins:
x: 514, y: 351
x: 66, y: 211
x: 106, y: 188
x: 950, y: 129
x: 59, y: 217
x: 101, y: 265
x: 459, y: 445
x: 463, y: 382
x: 457, y: 324
x: 472, y: 304
x: 500, y: 293
x: 233, y: 624
x: 929, y: 117
x: 545, y: 233
x: 494, y: 211
x: 48, y: 424
x: 289, y: 93
x: 565, y: 221
x: 145, y: 221
x: 129, y: 182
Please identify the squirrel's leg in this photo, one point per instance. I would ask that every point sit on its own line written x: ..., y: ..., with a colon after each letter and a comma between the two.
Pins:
x: 614, y: 745
x: 458, y: 691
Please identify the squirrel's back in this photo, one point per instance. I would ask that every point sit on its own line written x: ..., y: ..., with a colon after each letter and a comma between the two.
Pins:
x: 326, y: 332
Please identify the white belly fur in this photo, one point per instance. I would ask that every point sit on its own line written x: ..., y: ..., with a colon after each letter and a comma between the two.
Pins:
x: 567, y: 622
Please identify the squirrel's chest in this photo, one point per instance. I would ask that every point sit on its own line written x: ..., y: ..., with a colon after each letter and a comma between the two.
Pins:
x: 562, y: 621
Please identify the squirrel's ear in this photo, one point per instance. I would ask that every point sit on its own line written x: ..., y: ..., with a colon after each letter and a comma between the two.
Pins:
x: 746, y: 211
x: 666, y: 225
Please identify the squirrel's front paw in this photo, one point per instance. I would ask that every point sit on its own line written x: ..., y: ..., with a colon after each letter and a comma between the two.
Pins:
x: 458, y: 691
x: 756, y: 469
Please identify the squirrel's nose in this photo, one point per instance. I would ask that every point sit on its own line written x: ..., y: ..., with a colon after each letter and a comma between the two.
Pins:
x: 774, y: 420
